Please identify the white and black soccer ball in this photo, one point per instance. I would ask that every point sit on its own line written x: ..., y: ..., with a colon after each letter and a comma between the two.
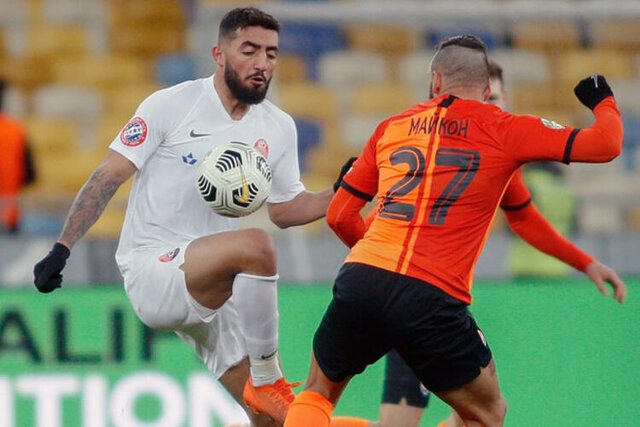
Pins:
x: 234, y: 179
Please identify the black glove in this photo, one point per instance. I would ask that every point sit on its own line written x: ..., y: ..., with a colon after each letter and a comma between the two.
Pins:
x: 343, y: 172
x: 591, y: 90
x: 46, y: 273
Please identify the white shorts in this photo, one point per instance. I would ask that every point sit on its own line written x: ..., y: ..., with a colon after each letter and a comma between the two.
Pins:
x: 157, y: 289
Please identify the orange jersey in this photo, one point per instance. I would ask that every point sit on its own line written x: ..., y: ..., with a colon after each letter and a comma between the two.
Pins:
x: 12, y: 169
x: 517, y: 195
x: 440, y: 170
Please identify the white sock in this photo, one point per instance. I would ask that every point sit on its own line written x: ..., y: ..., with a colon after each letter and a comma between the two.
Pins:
x: 256, y: 299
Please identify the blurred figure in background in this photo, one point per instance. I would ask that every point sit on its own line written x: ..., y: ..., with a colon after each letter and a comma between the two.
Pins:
x: 16, y: 167
x: 552, y: 195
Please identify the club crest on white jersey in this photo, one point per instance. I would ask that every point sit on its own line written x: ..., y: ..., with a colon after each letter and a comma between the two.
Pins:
x: 134, y: 133
x: 262, y: 146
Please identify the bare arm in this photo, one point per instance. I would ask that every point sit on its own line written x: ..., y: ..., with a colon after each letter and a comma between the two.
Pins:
x: 306, y: 207
x: 94, y: 196
x: 531, y: 226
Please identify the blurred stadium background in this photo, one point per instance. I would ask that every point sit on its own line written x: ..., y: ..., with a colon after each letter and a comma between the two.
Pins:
x: 77, y: 69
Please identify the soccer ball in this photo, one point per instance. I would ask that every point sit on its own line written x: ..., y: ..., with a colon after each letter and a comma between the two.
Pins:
x: 234, y: 179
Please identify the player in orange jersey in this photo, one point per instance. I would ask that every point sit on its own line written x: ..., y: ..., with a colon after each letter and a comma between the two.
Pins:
x: 404, y: 398
x: 16, y: 168
x: 440, y: 170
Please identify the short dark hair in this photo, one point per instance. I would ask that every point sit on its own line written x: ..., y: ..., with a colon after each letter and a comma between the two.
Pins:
x: 495, y: 71
x: 243, y: 17
x: 463, y: 40
x: 466, y: 63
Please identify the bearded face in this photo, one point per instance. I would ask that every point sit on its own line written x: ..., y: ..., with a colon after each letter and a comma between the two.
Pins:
x: 246, y: 90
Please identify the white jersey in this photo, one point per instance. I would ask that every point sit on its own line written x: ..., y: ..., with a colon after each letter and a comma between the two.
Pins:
x: 171, y: 131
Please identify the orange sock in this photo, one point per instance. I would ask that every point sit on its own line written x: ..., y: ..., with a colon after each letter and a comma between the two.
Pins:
x: 348, y: 422
x: 309, y: 409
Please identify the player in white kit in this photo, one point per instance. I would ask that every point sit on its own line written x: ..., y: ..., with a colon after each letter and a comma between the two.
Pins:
x: 179, y: 260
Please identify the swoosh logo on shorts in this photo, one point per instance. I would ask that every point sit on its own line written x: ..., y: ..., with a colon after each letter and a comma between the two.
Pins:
x: 244, y: 196
x: 193, y: 134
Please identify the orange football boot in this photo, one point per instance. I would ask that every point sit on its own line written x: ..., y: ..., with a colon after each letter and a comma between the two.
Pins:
x: 271, y: 399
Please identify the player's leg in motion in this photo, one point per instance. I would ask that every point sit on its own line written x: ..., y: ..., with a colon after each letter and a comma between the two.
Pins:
x: 244, y: 263
x: 313, y: 406
x: 234, y: 380
x: 404, y: 398
x: 479, y: 403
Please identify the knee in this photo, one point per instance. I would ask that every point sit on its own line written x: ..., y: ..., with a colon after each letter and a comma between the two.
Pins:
x: 261, y: 252
x: 499, y: 411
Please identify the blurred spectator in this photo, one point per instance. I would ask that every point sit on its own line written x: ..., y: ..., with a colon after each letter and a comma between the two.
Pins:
x: 552, y: 196
x: 16, y: 168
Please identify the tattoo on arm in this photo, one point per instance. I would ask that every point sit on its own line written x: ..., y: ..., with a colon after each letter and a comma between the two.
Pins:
x: 88, y: 206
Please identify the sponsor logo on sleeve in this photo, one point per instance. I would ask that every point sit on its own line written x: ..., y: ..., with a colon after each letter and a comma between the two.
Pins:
x: 134, y: 133
x: 551, y: 124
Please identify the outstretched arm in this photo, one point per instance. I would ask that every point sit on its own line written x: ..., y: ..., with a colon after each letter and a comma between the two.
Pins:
x: 532, y: 227
x: 85, y: 211
x: 94, y: 196
x: 306, y: 207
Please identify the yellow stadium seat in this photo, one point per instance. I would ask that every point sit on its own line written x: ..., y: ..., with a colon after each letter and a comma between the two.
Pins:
x: 34, y: 8
x: 634, y: 218
x: 54, y: 41
x: 618, y: 34
x: 110, y: 222
x: 2, y: 46
x: 291, y: 68
x: 102, y: 72
x: 391, y: 40
x: 547, y: 34
x: 50, y: 135
x: 317, y: 182
x: 572, y: 66
x: 147, y: 40
x: 66, y: 172
x: 169, y: 13
x: 315, y: 102
x: 308, y: 100
x: 109, y: 128
x: 543, y: 96
x: 124, y: 100
x: 326, y: 160
x: 385, y: 98
x: 26, y: 73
